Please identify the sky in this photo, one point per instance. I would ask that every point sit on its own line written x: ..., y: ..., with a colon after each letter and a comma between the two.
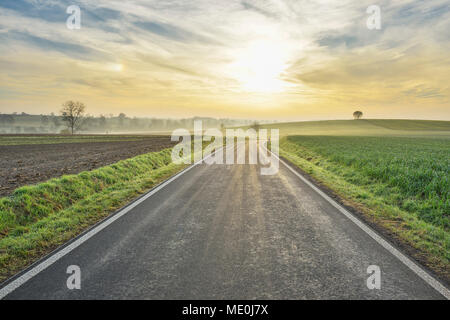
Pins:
x: 253, y: 59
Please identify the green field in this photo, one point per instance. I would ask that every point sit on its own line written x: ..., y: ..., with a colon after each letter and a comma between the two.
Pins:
x: 411, y: 173
x: 397, y: 174
x: 369, y: 127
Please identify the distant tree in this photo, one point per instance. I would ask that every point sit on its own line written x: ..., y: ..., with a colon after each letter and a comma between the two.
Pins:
x: 102, y: 121
x: 7, y: 119
x: 357, y: 115
x: 255, y: 126
x: 72, y: 113
x: 55, y: 120
x: 122, y: 118
x: 88, y: 122
x: 135, y: 122
x: 44, y: 120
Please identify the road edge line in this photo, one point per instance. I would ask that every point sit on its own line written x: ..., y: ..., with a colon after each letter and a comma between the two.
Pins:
x: 66, y: 248
x: 418, y: 270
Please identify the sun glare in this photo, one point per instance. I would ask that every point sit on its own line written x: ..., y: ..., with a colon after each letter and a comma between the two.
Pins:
x: 116, y: 67
x: 259, y: 66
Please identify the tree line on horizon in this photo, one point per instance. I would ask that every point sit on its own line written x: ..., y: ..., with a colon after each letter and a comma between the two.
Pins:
x: 21, y: 122
x: 72, y: 118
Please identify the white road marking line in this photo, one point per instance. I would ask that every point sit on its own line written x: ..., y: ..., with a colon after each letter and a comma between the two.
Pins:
x: 64, y: 251
x: 437, y: 285
x: 13, y: 285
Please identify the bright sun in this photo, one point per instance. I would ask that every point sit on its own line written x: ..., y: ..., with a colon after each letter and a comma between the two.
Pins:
x: 259, y: 66
x: 116, y: 67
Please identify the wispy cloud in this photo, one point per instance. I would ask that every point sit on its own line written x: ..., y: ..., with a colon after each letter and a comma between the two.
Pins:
x: 243, y: 58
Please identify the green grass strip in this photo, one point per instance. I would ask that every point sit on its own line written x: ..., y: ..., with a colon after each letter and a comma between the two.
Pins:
x: 36, y: 219
x: 432, y: 241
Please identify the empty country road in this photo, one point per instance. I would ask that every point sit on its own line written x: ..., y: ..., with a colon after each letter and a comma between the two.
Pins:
x: 228, y: 232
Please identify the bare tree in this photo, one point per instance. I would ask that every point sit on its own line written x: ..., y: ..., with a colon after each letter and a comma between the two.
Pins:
x: 72, y: 113
x: 357, y: 115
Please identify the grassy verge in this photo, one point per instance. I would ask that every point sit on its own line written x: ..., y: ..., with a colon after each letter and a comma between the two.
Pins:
x: 399, y: 184
x: 36, y: 219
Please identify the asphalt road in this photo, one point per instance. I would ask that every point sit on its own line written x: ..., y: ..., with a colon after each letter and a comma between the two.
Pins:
x: 227, y: 232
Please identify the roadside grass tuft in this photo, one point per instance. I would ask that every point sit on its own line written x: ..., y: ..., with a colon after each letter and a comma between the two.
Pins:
x: 399, y: 183
x: 36, y: 219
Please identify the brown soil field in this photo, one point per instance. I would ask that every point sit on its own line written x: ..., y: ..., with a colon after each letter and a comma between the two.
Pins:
x: 22, y: 165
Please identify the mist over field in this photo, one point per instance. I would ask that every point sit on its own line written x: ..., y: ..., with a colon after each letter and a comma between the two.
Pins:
x: 25, y: 123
